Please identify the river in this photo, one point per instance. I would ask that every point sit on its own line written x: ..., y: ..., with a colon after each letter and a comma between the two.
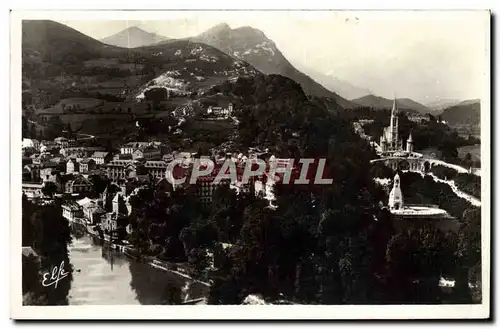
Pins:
x: 105, y: 277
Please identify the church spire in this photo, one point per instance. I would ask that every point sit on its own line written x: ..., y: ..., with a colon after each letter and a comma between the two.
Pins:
x: 394, y: 107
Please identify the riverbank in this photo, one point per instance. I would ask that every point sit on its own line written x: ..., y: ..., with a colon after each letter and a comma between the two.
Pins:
x: 103, y: 276
x: 175, y: 268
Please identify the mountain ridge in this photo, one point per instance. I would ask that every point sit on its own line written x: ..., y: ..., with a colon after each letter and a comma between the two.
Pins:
x: 378, y: 102
x: 252, y: 45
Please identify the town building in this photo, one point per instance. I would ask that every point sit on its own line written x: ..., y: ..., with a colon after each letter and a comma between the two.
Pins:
x: 32, y: 190
x: 147, y: 153
x: 31, y: 144
x: 80, y: 151
x: 220, y: 112
x: 418, y: 118
x: 130, y: 147
x: 109, y: 223
x: 48, y: 146
x: 71, y: 211
x: 61, y: 141
x: 121, y: 169
x: 49, y: 174
x: 206, y: 185
x: 157, y: 169
x: 101, y: 158
x: 78, y: 185
x: 72, y: 166
x: 87, y: 165
x: 92, y: 212
x: 31, y: 172
x: 120, y: 156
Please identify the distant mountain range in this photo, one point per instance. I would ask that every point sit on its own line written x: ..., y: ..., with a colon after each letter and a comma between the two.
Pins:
x: 442, y: 104
x: 342, y: 87
x: 133, y: 37
x: 244, y: 43
x: 404, y: 104
x: 51, y: 49
x: 465, y: 113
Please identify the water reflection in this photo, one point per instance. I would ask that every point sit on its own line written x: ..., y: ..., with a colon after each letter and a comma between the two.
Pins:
x: 105, y: 277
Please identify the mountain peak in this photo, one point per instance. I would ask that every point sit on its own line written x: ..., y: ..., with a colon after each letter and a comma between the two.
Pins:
x: 220, y: 27
x: 134, y: 29
x: 252, y: 46
x: 133, y: 37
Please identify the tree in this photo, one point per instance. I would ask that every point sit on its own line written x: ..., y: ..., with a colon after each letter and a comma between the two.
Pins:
x: 49, y: 235
x: 49, y: 189
x: 172, y: 295
x: 417, y: 258
x: 469, y: 255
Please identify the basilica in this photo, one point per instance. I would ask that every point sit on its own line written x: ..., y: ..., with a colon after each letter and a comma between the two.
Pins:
x: 390, y: 141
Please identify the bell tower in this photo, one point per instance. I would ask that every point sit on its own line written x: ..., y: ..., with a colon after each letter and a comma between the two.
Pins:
x: 409, y: 144
x: 394, y: 126
x: 396, y: 196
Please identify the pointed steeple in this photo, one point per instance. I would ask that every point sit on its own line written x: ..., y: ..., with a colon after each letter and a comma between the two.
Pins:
x: 409, y: 144
x: 394, y: 106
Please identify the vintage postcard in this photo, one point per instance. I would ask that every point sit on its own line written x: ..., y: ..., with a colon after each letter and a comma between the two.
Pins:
x: 250, y: 164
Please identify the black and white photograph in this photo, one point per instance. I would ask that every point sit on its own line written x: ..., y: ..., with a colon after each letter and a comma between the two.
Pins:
x: 303, y: 164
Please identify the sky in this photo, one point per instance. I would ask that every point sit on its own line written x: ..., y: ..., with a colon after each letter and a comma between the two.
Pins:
x: 426, y: 56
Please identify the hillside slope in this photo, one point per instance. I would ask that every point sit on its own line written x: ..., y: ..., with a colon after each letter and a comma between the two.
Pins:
x: 466, y: 113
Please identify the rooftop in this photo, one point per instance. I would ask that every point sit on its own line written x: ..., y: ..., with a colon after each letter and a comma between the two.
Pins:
x: 99, y: 154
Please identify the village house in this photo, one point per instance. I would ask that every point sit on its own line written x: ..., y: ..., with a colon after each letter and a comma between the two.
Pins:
x: 48, y: 146
x: 92, y: 212
x: 119, y: 204
x: 71, y: 211
x: 87, y: 165
x: 418, y: 118
x: 130, y: 147
x: 220, y: 112
x: 63, y: 142
x: 101, y: 158
x: 147, y: 153
x: 32, y: 144
x: 80, y: 151
x: 49, y: 174
x: 31, y: 172
x: 72, y: 166
x: 78, y: 185
x: 109, y: 223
